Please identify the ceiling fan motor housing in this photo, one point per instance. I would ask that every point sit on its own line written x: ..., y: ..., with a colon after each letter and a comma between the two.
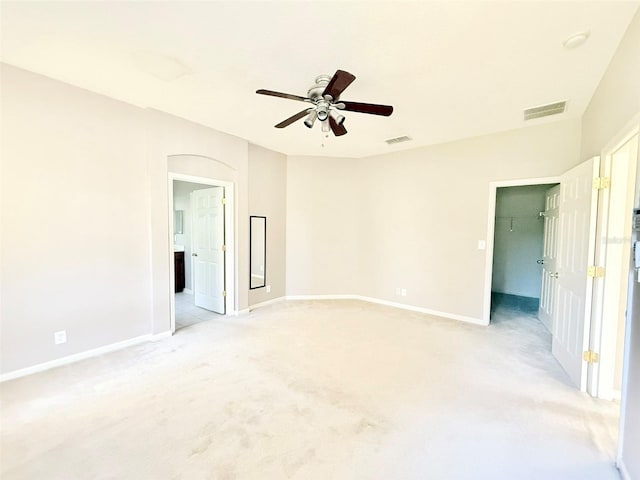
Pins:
x: 315, y: 92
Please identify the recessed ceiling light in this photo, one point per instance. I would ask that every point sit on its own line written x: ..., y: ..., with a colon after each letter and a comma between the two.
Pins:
x: 575, y: 40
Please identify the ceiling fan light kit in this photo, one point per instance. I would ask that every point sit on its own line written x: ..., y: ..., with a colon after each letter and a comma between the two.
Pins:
x: 311, y: 119
x: 324, y: 95
x: 337, y: 117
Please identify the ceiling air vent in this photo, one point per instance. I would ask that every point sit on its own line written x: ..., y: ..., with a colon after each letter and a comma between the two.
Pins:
x: 393, y: 141
x: 545, y: 110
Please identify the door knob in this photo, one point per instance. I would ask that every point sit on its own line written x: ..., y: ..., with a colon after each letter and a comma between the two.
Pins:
x: 194, y: 254
x: 540, y: 262
x: 554, y: 274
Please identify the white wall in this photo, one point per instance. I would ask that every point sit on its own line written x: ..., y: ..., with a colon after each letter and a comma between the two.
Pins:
x: 614, y: 104
x: 617, y: 98
x: 518, y: 240
x: 323, y: 217
x: 75, y: 224
x: 434, y: 209
x: 267, y: 197
x: 84, y: 240
x: 410, y: 219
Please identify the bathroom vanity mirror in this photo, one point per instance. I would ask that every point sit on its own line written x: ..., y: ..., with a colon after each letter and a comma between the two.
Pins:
x: 178, y: 221
x: 258, y: 251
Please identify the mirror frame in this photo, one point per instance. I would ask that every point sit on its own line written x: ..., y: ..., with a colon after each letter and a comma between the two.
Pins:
x: 264, y: 249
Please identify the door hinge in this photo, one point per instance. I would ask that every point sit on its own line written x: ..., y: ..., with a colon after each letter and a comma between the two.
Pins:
x: 224, y: 293
x: 590, y: 356
x: 224, y: 248
x: 601, y: 182
x: 595, y: 272
x: 224, y: 201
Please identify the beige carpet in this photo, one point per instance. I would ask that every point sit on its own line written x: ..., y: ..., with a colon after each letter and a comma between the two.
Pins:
x: 325, y: 390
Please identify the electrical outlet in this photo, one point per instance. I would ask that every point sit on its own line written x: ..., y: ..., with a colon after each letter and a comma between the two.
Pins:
x: 268, y: 288
x: 482, y: 244
x: 398, y: 291
x: 404, y: 292
x: 60, y: 337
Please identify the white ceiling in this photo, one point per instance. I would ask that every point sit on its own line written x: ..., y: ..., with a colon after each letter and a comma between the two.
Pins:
x: 451, y: 69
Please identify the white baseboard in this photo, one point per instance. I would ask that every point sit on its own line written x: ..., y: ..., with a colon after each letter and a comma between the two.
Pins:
x: 404, y: 306
x: 428, y: 311
x: 264, y: 304
x: 609, y: 394
x: 41, y: 367
x: 146, y: 338
x: 624, y: 473
x: 322, y: 297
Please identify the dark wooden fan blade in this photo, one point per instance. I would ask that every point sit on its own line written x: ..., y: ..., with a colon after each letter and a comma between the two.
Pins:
x: 338, y: 83
x: 338, y: 130
x: 374, y: 109
x: 294, y: 118
x: 282, y: 95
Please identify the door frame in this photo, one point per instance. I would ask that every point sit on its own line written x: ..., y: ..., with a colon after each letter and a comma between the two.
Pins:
x: 229, y: 239
x: 599, y: 380
x: 488, y: 269
x: 631, y: 128
x: 550, y: 226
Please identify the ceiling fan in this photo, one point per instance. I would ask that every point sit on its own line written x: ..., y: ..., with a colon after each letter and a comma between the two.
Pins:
x: 324, y: 96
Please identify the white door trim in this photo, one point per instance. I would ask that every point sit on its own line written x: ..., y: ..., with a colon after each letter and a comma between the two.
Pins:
x: 548, y: 294
x: 230, y: 241
x: 630, y: 129
x: 488, y: 269
x: 602, y: 374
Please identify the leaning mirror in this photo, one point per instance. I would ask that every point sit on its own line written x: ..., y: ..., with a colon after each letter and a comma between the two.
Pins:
x: 257, y: 253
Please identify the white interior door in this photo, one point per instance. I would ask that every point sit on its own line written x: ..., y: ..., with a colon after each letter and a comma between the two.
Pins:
x: 208, y: 249
x: 576, y: 248
x: 549, y: 256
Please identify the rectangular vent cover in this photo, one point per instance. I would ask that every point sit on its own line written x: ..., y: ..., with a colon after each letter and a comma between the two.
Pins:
x: 545, y: 110
x: 393, y: 141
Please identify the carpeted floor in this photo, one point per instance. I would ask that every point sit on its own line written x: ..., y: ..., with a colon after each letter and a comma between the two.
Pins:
x: 326, y: 390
